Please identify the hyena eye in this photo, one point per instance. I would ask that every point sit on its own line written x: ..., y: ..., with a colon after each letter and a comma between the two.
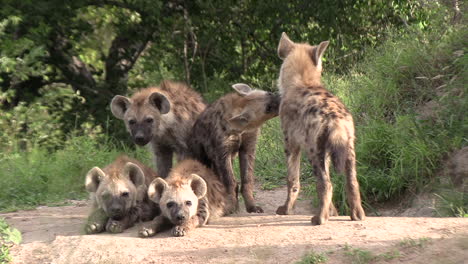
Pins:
x: 125, y: 194
x: 131, y: 121
x: 188, y: 203
x: 149, y: 120
x: 170, y: 204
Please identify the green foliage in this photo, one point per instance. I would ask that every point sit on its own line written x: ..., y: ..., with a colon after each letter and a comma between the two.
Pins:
x: 452, y: 203
x: 313, y: 258
x: 8, y: 237
x: 29, y: 179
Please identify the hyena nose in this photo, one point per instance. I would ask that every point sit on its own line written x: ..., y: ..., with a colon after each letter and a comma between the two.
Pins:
x: 139, y: 139
x: 181, y: 217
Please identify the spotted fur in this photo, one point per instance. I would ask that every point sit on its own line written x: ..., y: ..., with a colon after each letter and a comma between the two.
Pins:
x: 317, y: 122
x: 189, y: 197
x: 228, y: 127
x: 161, y: 116
x: 119, y: 195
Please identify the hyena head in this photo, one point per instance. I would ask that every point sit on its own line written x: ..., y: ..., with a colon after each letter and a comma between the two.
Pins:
x: 178, y: 199
x: 301, y: 61
x: 116, y: 192
x: 252, y: 108
x: 142, y: 114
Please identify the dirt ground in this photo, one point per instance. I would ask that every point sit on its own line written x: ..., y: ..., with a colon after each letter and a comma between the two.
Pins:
x: 54, y: 235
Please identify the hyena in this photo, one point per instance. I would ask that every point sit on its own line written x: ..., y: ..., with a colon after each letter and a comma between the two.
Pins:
x: 189, y: 197
x: 228, y: 127
x: 119, y: 195
x: 162, y: 116
x: 314, y: 120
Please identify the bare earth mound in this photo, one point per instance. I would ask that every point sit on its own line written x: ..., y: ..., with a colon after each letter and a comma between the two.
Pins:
x: 54, y: 235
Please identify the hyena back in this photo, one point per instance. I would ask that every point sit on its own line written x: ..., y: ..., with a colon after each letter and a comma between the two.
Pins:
x: 228, y: 127
x: 317, y: 122
x: 162, y: 116
x: 189, y: 197
x: 119, y: 195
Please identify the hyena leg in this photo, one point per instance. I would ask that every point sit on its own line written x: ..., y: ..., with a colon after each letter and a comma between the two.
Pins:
x: 247, y: 163
x: 163, y: 159
x: 352, y: 190
x: 96, y: 222
x: 293, y: 156
x: 324, y: 189
x: 153, y: 227
x: 223, y: 167
x: 118, y: 226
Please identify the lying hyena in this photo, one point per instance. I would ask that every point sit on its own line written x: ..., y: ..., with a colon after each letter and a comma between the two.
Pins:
x: 314, y: 120
x: 189, y: 197
x: 161, y: 115
x: 229, y: 126
x: 119, y: 196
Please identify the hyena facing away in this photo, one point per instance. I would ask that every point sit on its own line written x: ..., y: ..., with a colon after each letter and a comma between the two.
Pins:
x: 162, y: 116
x: 228, y: 127
x: 189, y: 197
x: 119, y: 196
x: 314, y: 120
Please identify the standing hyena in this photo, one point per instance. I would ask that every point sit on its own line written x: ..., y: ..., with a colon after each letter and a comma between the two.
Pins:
x: 119, y: 195
x: 314, y: 120
x: 189, y: 197
x: 228, y: 127
x: 161, y: 115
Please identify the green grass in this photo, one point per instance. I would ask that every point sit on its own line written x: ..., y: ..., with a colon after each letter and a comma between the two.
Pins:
x: 313, y: 258
x: 8, y: 237
x: 29, y: 179
x: 415, y: 243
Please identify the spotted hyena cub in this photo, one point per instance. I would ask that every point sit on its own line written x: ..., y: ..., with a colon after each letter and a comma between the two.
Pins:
x: 228, y: 127
x: 316, y: 121
x: 162, y: 116
x: 119, y: 196
x: 189, y: 197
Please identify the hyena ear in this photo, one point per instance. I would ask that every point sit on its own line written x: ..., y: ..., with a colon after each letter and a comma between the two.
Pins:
x: 285, y: 46
x: 239, y: 120
x: 93, y: 179
x: 242, y: 88
x: 160, y: 102
x: 156, y: 189
x: 198, y: 185
x: 119, y: 105
x: 134, y: 173
x: 317, y: 53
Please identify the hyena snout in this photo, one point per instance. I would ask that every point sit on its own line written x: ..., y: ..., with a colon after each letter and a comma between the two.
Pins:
x: 142, y: 136
x: 272, y: 107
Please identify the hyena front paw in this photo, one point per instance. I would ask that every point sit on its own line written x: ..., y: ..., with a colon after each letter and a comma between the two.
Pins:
x: 317, y: 220
x: 93, y: 228
x: 357, y: 214
x: 254, y: 209
x: 283, y: 210
x: 114, y: 227
x: 179, y: 231
x: 146, y: 232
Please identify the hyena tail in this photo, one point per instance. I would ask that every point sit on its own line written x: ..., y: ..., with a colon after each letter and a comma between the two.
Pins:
x: 339, y: 150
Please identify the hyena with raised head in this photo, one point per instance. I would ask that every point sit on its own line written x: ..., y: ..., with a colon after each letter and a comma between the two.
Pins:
x: 189, y: 197
x: 228, y: 127
x: 162, y: 116
x: 119, y: 195
x: 314, y: 120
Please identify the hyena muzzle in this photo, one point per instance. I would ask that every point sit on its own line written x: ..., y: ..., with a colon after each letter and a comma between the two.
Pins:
x: 189, y: 197
x: 317, y: 122
x: 119, y: 196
